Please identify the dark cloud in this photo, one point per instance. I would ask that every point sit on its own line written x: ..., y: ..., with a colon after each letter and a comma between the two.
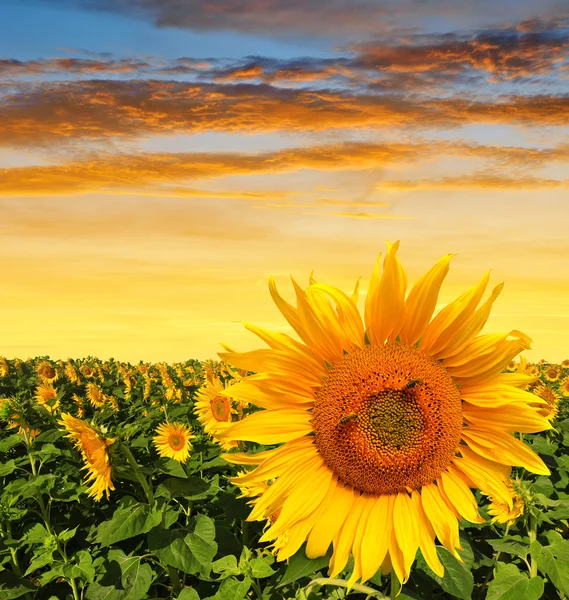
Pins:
x: 73, y: 66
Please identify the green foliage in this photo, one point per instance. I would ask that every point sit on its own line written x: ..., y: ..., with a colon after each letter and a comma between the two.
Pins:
x: 178, y: 531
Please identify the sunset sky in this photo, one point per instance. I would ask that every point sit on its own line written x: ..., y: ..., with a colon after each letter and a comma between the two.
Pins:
x: 160, y: 159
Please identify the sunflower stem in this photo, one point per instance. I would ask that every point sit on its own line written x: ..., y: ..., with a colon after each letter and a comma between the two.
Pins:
x: 257, y: 588
x: 138, y: 473
x: 532, y: 534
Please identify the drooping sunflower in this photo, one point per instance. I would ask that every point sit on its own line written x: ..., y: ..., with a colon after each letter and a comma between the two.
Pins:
x: 46, y: 396
x: 552, y: 373
x: 384, y: 424
x: 504, y: 513
x: 550, y: 407
x: 46, y: 372
x: 173, y: 441
x: 93, y: 448
x: 214, y: 410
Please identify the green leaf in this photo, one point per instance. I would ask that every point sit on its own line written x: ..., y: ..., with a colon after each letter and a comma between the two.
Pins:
x: 511, y: 584
x: 183, y: 549
x: 40, y: 561
x: 542, y: 446
x: 125, y: 578
x: 457, y: 581
x: 543, y: 485
x: 260, y: 568
x: 170, y: 467
x: 51, y: 435
x: 190, y: 488
x: 7, y: 468
x: 188, y: 594
x: 226, y: 566
x: 552, y: 559
x: 12, y: 586
x: 9, y: 442
x: 515, y: 545
x: 233, y: 589
x: 130, y: 519
x: 300, y: 566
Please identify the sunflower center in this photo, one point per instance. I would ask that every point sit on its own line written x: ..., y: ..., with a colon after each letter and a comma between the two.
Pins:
x: 176, y: 441
x: 387, y: 418
x: 220, y: 408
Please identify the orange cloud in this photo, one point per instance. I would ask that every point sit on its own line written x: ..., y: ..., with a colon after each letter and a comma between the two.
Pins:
x: 39, y: 114
x: 166, y: 174
x: 476, y: 181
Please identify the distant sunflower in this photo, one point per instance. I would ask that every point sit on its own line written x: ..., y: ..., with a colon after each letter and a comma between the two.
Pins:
x: 512, y: 366
x: 550, y: 409
x: 95, y: 395
x: 46, y: 396
x: 552, y: 373
x: 565, y: 364
x: 4, y: 368
x: 93, y: 448
x: 46, y: 372
x: 564, y: 387
x: 71, y: 373
x: 87, y: 371
x: 214, y: 410
x: 382, y: 427
x: 173, y: 441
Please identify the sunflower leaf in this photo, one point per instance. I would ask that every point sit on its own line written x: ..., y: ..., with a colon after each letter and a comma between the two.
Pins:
x: 130, y: 519
x: 511, y: 584
x: 457, y: 581
x: 300, y: 566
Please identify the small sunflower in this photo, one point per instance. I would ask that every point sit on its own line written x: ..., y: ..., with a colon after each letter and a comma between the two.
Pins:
x: 503, y: 512
x: 93, y: 448
x: 46, y: 396
x: 550, y: 408
x: 4, y: 368
x: 173, y: 441
x: 95, y: 395
x: 71, y: 373
x: 552, y: 373
x: 87, y: 371
x: 382, y: 424
x: 565, y: 364
x: 214, y: 410
x: 564, y: 387
x: 46, y: 372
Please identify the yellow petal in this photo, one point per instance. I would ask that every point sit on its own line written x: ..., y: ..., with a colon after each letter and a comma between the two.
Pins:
x: 443, y: 521
x: 375, y: 543
x: 471, y: 328
x: 509, y: 418
x: 270, y: 426
x: 427, y: 537
x: 361, y: 532
x: 404, y: 523
x: 451, y: 318
x: 489, y: 476
x: 345, y: 538
x: 331, y: 520
x: 504, y: 448
x: 422, y: 300
x: 384, y: 307
x: 459, y: 494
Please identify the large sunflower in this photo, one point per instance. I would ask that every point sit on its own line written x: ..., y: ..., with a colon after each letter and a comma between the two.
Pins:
x: 93, y: 448
x: 385, y: 426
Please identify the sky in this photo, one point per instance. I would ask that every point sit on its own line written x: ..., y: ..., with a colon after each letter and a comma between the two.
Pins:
x: 160, y: 159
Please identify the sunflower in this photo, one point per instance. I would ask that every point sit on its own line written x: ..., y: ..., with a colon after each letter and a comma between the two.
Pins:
x: 505, y: 513
x: 549, y: 408
x: 71, y: 373
x: 565, y: 364
x: 46, y: 396
x: 4, y: 368
x: 93, y: 448
x: 214, y: 410
x: 564, y: 387
x: 95, y: 395
x: 46, y: 372
x: 173, y: 441
x: 552, y: 373
x: 383, y: 427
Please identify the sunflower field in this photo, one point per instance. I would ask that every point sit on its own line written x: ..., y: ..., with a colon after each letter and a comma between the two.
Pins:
x: 302, y: 471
